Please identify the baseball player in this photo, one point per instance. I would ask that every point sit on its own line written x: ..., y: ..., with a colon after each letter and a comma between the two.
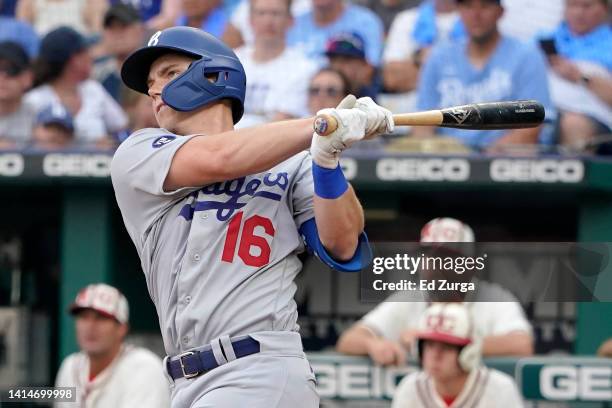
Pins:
x: 387, y: 332
x: 107, y: 372
x: 452, y: 375
x: 218, y: 215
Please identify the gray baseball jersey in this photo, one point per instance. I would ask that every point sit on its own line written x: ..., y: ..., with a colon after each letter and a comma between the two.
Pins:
x: 218, y: 259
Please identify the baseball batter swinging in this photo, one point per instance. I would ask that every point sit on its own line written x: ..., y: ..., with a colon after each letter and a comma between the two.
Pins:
x: 217, y: 217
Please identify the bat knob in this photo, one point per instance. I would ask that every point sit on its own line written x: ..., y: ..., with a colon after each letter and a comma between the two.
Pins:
x: 323, y: 125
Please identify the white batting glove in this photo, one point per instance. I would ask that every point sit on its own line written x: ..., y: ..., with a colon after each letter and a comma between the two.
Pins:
x: 325, y: 150
x: 380, y: 120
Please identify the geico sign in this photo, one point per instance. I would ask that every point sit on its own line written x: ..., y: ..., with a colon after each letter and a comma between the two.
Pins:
x: 349, y: 167
x: 350, y: 381
x: 543, y: 171
x: 576, y: 383
x: 11, y: 165
x: 77, y: 165
x: 423, y: 169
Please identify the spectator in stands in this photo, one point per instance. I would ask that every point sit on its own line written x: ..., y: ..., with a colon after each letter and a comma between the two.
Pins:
x: 62, y: 73
x: 452, y: 373
x: 157, y: 14
x: 108, y: 372
x: 581, y: 71
x: 278, y: 75
x: 326, y: 89
x: 387, y: 10
x: 484, y: 67
x: 54, y: 129
x: 312, y: 30
x: 16, y: 116
x: 84, y: 16
x: 205, y: 14
x: 388, y: 331
x: 346, y: 53
x: 605, y: 350
x: 413, y: 33
x: 123, y: 33
x: 239, y: 32
x: 12, y: 29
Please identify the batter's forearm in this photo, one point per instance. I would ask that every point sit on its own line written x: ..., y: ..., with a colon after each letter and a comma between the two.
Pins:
x: 229, y: 155
x: 339, y: 223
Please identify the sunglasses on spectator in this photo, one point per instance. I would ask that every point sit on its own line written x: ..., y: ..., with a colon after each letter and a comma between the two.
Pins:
x: 10, y: 70
x: 329, y: 91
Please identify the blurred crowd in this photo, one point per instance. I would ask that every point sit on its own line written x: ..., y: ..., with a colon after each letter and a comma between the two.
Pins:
x: 60, y: 60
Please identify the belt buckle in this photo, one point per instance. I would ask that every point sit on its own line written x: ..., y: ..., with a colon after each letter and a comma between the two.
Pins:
x: 180, y: 358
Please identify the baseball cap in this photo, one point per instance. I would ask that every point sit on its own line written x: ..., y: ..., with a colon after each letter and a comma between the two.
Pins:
x: 347, y: 45
x: 446, y: 230
x: 122, y: 13
x: 61, y: 44
x: 104, y: 299
x: 55, y: 115
x: 446, y: 322
x: 13, y: 58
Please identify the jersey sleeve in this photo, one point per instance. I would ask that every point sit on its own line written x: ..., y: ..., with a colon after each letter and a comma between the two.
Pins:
x: 138, y: 171
x: 509, y: 317
x: 389, y: 319
x: 303, y: 192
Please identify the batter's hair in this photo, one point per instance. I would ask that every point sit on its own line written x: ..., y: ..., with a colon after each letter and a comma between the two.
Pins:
x: 346, y: 85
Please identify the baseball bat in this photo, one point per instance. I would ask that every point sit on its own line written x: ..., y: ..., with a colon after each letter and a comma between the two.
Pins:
x: 476, y: 116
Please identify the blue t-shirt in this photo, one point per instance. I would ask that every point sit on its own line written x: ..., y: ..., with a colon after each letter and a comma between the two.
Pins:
x: 312, y: 39
x: 514, y: 71
x: 594, y: 46
x: 21, y: 33
x: 214, y: 24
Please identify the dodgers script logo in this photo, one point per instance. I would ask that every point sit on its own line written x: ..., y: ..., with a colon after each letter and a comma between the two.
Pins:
x: 235, y: 190
x: 162, y: 140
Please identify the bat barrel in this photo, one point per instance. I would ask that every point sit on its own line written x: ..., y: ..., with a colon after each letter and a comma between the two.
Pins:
x: 494, y: 115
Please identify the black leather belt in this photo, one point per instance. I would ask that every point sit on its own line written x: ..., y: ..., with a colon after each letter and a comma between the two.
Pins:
x: 192, y: 363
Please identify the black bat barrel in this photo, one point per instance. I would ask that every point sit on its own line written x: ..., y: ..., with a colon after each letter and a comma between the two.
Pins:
x: 494, y: 115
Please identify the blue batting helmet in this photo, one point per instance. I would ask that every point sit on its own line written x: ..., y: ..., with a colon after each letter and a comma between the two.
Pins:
x: 191, y: 89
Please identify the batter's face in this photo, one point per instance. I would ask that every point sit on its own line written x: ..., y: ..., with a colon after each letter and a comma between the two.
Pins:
x: 585, y: 15
x: 97, y: 334
x: 164, y: 70
x: 440, y: 360
x: 480, y: 18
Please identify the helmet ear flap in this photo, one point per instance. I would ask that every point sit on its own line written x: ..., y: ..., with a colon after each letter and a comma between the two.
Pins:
x: 469, y: 356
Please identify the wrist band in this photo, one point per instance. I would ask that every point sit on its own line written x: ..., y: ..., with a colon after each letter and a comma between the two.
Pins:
x: 328, y: 183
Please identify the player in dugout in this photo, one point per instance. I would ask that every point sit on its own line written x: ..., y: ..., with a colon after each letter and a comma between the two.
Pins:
x: 387, y: 332
x: 447, y: 346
